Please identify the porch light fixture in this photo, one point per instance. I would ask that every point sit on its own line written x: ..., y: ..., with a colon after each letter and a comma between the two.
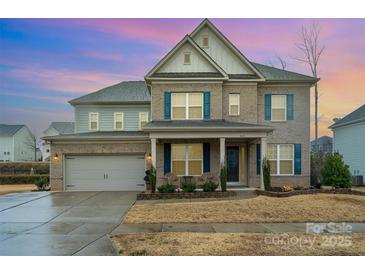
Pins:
x: 55, y: 157
x: 149, y: 157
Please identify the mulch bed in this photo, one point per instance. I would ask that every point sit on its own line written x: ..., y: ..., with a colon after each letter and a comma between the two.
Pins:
x: 309, y: 191
x: 184, y: 195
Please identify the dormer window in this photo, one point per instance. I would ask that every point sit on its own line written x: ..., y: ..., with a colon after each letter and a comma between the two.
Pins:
x: 187, y: 58
x: 205, y: 42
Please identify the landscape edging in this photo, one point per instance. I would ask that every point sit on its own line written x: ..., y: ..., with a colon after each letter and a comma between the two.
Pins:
x: 309, y: 191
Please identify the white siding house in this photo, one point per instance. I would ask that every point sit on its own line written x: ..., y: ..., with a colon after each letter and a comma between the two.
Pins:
x: 16, y: 143
x: 349, y: 140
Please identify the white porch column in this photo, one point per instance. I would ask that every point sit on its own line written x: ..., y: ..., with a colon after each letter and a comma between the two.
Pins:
x: 222, y: 142
x: 153, y: 152
x: 263, y: 155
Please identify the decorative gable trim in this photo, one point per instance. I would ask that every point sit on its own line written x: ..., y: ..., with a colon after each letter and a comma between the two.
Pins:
x: 187, y: 39
x: 209, y: 24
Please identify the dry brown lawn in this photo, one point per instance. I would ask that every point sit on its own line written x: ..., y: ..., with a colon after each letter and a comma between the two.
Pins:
x: 5, y: 189
x: 301, y: 208
x: 237, y: 244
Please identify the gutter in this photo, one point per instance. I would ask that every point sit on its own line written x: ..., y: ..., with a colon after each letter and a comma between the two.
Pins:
x: 201, y: 129
x: 347, y: 123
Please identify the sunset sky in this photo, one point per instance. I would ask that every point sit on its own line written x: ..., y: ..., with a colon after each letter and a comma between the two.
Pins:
x: 46, y: 62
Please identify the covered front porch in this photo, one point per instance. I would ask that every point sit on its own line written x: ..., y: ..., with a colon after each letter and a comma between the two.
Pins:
x: 204, y: 147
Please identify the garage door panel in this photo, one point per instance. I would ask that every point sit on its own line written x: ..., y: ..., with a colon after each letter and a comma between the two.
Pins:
x: 122, y: 172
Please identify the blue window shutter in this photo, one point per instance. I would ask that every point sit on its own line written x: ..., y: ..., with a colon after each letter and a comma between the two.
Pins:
x: 290, y: 107
x: 297, y: 159
x: 206, y: 157
x: 268, y: 107
x: 258, y: 159
x: 206, y: 105
x: 167, y: 105
x: 167, y: 158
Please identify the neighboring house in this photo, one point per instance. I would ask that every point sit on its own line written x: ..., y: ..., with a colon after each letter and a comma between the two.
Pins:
x: 324, y: 144
x: 204, y: 104
x: 16, y: 143
x: 55, y: 128
x: 349, y: 140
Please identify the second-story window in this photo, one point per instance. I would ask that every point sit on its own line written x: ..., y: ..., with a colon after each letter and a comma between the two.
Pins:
x: 93, y: 121
x: 187, y: 106
x: 278, y: 108
x: 234, y: 104
x: 143, y: 119
x: 118, y: 121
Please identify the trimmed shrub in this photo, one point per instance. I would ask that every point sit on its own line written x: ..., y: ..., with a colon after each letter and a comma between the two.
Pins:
x: 266, y: 173
x: 335, y: 172
x: 152, y: 179
x: 210, y: 186
x: 42, y: 183
x: 223, y: 178
x: 188, y: 186
x: 21, y: 179
x: 13, y: 168
x: 166, y: 188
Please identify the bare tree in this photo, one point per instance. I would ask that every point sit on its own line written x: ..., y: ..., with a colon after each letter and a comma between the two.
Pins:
x: 281, y: 60
x: 32, y: 144
x: 311, y: 52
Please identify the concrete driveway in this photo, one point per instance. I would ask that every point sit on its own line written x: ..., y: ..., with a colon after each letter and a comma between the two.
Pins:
x: 61, y: 223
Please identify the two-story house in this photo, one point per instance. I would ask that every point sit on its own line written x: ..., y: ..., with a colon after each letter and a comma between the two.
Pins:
x: 203, y: 105
x: 17, y: 143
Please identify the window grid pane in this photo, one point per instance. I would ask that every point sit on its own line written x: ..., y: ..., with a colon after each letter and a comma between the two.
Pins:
x: 178, y: 168
x: 195, y: 167
x: 273, y: 167
x: 234, y: 110
x: 278, y: 101
x: 272, y: 152
x: 195, y: 112
x: 178, y: 113
x: 278, y: 114
x: 286, y: 167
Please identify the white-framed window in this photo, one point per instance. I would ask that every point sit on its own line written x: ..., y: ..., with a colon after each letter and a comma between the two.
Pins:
x: 281, y: 157
x: 118, y: 120
x: 187, y: 159
x: 143, y: 119
x: 187, y: 58
x: 234, y: 104
x: 278, y: 107
x: 187, y: 106
x: 205, y: 42
x: 93, y: 121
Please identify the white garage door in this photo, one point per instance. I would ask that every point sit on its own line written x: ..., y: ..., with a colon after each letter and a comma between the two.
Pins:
x: 105, y: 173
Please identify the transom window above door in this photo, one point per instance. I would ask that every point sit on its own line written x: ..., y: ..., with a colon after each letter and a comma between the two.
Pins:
x: 187, y: 159
x: 187, y: 106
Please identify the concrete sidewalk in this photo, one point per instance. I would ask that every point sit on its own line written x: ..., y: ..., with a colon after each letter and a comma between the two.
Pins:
x: 230, y: 228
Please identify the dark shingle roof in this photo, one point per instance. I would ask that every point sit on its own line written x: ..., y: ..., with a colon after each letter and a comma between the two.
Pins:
x: 275, y: 74
x: 322, y: 140
x: 98, y: 135
x: 63, y: 127
x: 356, y: 115
x: 205, y: 124
x: 124, y: 92
x: 9, y: 130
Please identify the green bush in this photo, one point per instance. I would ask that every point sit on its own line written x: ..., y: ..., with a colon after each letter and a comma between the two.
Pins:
x: 12, y: 168
x: 210, y: 186
x: 335, y: 172
x: 166, y: 188
x: 21, y: 179
x: 223, y: 178
x: 42, y: 183
x: 188, y: 186
x: 152, y: 179
x: 266, y: 174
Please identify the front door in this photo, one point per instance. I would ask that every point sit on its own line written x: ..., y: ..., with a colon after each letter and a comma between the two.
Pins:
x: 233, y: 160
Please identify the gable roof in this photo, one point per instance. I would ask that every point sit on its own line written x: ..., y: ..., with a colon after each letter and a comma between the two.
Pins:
x: 63, y: 127
x: 243, y: 58
x: 322, y: 140
x: 121, y: 93
x: 275, y: 74
x: 186, y: 39
x: 356, y: 116
x: 9, y: 130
